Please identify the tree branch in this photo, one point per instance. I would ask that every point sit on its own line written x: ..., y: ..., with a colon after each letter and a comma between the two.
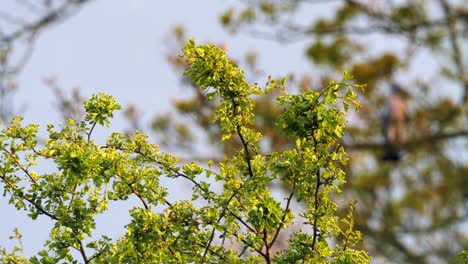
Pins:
x: 267, y: 246
x: 316, y: 205
x: 406, y: 145
x: 142, y: 199
x: 83, y: 253
x: 248, y: 157
x: 91, y: 130
x: 49, y: 18
x: 24, y: 197
x: 282, y: 219
x: 17, y: 162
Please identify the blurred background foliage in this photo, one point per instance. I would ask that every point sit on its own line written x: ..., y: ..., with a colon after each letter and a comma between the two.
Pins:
x: 412, y: 210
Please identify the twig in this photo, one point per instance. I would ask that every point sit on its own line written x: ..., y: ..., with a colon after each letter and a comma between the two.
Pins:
x: 24, y: 197
x: 282, y: 219
x: 20, y: 166
x: 248, y: 157
x: 142, y: 199
x: 242, y: 221
x: 91, y: 130
x: 250, y: 245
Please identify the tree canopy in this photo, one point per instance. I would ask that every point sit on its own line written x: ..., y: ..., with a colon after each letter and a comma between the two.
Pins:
x: 241, y: 224
x: 417, y: 45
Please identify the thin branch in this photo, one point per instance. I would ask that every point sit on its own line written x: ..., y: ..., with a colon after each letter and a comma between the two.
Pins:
x: 207, y: 247
x: 83, y: 253
x: 316, y: 205
x: 267, y: 246
x: 177, y: 173
x: 242, y: 221
x: 17, y: 162
x: 380, y: 22
x: 409, y: 144
x: 32, y: 202
x: 51, y: 17
x: 290, y: 33
x: 316, y: 200
x: 98, y: 253
x: 286, y: 209
x: 247, y: 152
x: 26, y: 55
x: 243, y: 251
x: 212, y: 251
x: 225, y: 207
x: 248, y: 157
x: 174, y: 171
x: 368, y: 11
x: 250, y: 171
x: 168, y: 203
x: 91, y: 130
x: 142, y: 199
x: 251, y: 246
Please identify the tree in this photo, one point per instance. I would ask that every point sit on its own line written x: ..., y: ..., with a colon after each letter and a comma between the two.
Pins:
x: 242, y: 223
x: 403, y: 213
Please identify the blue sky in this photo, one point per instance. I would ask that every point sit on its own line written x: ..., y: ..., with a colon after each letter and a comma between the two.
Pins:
x: 119, y: 47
